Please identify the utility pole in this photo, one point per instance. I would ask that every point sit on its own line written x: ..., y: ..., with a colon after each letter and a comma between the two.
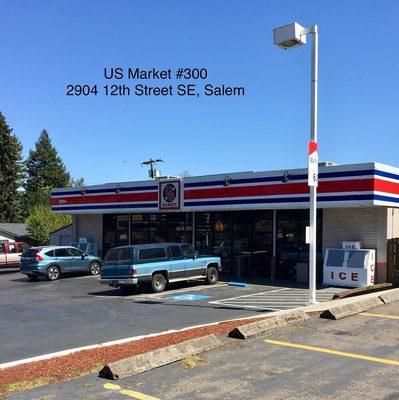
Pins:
x: 152, y: 172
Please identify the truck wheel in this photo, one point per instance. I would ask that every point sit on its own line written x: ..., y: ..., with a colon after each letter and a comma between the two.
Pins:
x: 94, y: 268
x: 212, y: 276
x: 53, y: 273
x: 158, y: 283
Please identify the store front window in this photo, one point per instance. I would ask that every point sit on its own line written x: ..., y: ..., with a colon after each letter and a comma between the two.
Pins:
x: 204, y: 233
x: 161, y: 228
x: 242, y: 239
x: 291, y: 242
x: 139, y: 229
x: 116, y: 231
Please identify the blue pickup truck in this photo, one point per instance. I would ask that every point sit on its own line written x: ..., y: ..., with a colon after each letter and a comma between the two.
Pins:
x: 158, y: 264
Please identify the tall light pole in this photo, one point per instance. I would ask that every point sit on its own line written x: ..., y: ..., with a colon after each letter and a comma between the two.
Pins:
x: 287, y: 37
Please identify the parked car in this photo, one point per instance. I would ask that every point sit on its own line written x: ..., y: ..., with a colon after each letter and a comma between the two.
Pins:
x: 10, y: 253
x: 52, y: 261
x: 158, y: 264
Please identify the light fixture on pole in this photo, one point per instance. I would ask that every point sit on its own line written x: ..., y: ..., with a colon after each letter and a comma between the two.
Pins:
x: 287, y: 37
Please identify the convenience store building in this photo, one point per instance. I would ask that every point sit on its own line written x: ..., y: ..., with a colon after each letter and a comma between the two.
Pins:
x: 255, y: 221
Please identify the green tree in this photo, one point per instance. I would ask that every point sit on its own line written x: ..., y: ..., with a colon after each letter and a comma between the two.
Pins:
x: 44, y: 171
x: 41, y: 222
x: 11, y: 174
x: 77, y: 182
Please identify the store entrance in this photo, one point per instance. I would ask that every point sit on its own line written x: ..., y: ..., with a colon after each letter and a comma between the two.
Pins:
x: 292, y: 252
x: 242, y: 239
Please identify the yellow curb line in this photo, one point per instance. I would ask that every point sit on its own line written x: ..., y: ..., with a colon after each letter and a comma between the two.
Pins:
x: 334, y: 352
x: 130, y: 393
x: 380, y: 315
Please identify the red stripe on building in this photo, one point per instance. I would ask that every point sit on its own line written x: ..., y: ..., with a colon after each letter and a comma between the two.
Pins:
x: 386, y: 186
x: 354, y: 185
x: 107, y: 198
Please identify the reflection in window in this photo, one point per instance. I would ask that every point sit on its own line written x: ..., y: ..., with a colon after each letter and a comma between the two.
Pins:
x: 204, y: 233
x: 335, y: 258
x: 116, y: 231
x: 291, y: 245
x: 356, y: 259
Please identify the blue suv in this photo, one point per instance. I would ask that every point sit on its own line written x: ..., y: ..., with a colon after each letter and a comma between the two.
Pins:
x: 158, y: 264
x: 52, y: 261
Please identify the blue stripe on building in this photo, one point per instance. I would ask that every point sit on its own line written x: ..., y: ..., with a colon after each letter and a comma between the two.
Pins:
x: 298, y: 177
x: 304, y: 199
x: 106, y: 207
x: 110, y: 190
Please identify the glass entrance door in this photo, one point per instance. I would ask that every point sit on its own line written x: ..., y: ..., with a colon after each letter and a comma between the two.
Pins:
x: 262, y: 244
x: 291, y: 243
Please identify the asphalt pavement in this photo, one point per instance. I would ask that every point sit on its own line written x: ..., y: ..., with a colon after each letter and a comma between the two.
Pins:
x: 44, y: 317
x: 353, y: 358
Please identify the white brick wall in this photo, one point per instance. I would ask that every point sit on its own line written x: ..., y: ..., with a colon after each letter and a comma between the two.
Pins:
x: 365, y: 224
x: 350, y: 224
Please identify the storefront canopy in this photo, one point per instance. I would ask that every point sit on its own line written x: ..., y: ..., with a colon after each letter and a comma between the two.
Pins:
x: 350, y: 185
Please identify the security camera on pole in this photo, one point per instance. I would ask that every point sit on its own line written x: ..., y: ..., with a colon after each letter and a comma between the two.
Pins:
x: 287, y: 37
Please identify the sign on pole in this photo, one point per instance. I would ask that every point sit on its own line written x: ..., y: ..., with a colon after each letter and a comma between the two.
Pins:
x: 313, y: 164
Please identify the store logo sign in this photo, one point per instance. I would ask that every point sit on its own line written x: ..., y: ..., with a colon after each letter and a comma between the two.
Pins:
x: 169, y: 195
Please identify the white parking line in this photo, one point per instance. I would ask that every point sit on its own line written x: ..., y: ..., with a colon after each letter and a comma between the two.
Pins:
x: 248, y: 295
x: 273, y: 300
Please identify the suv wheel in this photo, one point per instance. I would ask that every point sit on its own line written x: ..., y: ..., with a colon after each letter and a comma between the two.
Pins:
x: 158, y: 283
x: 212, y: 276
x: 53, y: 273
x: 94, y: 268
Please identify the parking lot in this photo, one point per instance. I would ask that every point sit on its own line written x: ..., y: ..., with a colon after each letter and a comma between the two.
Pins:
x: 44, y: 317
x: 353, y: 358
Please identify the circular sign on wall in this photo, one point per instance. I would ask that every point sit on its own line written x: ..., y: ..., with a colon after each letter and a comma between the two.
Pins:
x: 169, y: 195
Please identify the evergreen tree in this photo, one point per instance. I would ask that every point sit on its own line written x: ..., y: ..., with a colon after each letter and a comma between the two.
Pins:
x: 11, y: 174
x: 45, y: 171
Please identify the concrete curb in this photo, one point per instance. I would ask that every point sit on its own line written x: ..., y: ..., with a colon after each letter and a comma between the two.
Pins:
x: 267, y: 325
x: 390, y: 297
x: 362, y: 290
x: 355, y: 307
x: 157, y: 358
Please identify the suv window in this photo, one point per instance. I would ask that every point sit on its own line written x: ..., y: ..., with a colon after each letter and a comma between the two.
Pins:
x: 188, y: 251
x: 50, y: 253
x: 112, y: 256
x: 61, y: 253
x: 75, y: 252
x: 176, y: 251
x: 152, y: 254
x: 30, y: 253
x: 126, y: 255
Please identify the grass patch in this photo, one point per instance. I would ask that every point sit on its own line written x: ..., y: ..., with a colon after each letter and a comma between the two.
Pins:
x: 7, y: 388
x: 193, y: 361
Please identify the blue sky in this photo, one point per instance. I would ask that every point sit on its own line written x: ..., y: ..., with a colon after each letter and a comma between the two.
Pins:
x: 47, y: 44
